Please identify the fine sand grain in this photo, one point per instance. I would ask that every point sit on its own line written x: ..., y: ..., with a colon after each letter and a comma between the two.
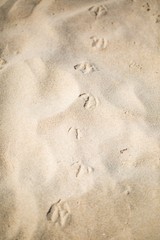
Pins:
x: 79, y: 120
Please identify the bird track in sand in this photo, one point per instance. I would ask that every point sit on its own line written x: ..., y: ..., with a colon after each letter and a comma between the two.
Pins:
x: 98, y: 43
x: 85, y: 67
x: 98, y: 11
x: 76, y: 131
x: 59, y: 214
x: 82, y: 169
x: 134, y: 65
x: 90, y: 102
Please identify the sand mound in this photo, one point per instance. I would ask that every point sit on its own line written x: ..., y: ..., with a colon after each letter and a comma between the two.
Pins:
x: 79, y: 120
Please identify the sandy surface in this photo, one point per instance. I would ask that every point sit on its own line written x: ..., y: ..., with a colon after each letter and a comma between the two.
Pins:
x: 79, y: 120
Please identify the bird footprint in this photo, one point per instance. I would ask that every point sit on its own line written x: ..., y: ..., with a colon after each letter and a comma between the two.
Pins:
x: 98, y: 11
x: 90, y: 102
x: 85, y: 67
x: 59, y: 214
x: 99, y: 43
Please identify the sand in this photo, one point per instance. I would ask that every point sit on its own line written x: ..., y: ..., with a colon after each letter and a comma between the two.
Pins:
x: 79, y: 120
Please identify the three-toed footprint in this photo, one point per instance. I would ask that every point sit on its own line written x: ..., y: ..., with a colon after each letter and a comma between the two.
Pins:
x: 59, y: 214
x: 90, y: 102
x: 98, y: 11
x: 85, y: 67
x: 98, y: 43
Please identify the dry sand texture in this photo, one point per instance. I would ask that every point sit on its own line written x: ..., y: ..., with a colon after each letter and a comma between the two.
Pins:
x: 79, y: 120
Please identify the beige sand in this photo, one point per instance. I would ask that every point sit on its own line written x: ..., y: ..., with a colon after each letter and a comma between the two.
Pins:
x: 79, y: 120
